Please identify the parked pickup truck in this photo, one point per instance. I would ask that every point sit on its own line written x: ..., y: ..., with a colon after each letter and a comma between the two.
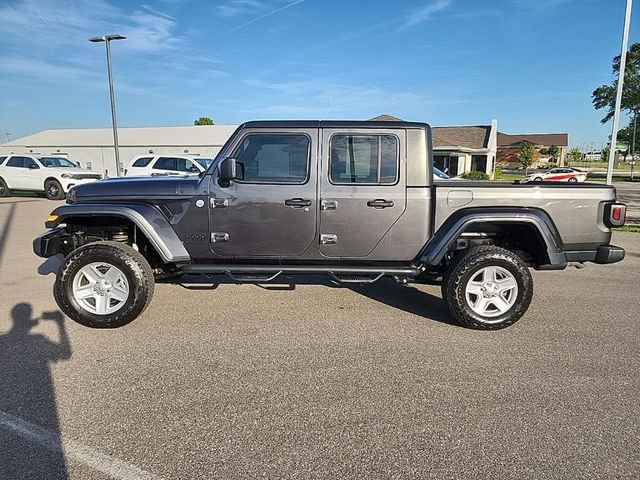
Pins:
x: 354, y: 200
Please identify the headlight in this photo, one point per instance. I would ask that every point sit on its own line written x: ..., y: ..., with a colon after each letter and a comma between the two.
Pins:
x: 68, y: 175
x: 72, y: 196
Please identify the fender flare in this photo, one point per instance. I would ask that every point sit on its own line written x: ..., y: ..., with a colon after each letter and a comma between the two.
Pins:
x: 147, y: 218
x: 436, y: 248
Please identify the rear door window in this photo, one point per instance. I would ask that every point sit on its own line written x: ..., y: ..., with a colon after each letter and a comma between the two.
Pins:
x: 166, y: 163
x: 364, y: 159
x: 17, y: 162
x: 142, y: 162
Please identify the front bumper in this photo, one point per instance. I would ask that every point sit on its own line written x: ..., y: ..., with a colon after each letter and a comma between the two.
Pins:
x: 52, y: 242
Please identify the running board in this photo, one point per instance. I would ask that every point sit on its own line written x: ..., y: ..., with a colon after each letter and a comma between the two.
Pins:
x: 267, y: 273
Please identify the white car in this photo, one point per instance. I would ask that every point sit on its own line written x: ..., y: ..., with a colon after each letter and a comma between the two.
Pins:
x: 562, y: 174
x: 162, y: 165
x: 51, y: 175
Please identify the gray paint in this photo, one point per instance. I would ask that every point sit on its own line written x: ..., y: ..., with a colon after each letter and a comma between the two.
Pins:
x: 147, y: 218
x: 251, y: 223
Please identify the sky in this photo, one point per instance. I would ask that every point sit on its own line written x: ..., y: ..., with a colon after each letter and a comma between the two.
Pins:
x: 530, y: 64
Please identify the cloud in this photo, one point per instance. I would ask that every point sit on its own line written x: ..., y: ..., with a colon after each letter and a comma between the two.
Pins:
x: 265, y: 15
x: 234, y: 8
x: 322, y: 96
x: 425, y: 13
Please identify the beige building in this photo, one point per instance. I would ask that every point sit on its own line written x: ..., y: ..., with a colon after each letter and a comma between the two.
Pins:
x: 93, y: 147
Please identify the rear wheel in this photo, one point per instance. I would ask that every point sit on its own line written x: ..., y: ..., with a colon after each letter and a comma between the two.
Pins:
x: 104, y: 285
x: 53, y: 190
x: 487, y: 288
x: 4, y: 190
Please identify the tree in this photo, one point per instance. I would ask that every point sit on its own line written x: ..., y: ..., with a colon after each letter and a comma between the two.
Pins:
x: 527, y: 155
x: 604, y: 154
x: 554, y: 152
x: 604, y: 97
x: 575, y: 155
x: 203, y: 121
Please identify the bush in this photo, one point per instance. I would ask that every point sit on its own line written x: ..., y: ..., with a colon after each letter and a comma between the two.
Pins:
x: 475, y: 176
x: 497, y: 175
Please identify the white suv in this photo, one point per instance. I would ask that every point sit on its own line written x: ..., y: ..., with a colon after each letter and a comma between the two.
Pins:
x: 49, y: 174
x: 161, y: 165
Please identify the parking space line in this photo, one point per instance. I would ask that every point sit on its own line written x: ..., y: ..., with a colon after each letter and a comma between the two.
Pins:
x: 112, y: 466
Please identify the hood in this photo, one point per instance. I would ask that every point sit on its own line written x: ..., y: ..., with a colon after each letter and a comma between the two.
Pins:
x: 135, y: 188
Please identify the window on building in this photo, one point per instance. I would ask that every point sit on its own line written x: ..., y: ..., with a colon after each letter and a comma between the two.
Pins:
x: 479, y: 163
x: 269, y: 158
x: 368, y: 159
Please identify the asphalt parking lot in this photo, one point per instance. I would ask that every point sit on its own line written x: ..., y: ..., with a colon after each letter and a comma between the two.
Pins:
x: 317, y: 381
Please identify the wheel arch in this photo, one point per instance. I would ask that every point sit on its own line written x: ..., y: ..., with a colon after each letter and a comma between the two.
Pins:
x: 149, y: 220
x: 533, y: 226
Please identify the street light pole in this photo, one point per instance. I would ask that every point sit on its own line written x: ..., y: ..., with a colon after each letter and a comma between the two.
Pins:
x: 616, y: 112
x: 107, y: 40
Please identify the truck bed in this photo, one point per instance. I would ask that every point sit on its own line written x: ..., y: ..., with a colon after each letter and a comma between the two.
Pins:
x: 577, y: 209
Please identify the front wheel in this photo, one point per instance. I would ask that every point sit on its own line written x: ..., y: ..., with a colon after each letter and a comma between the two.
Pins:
x: 53, y: 190
x: 104, y: 285
x: 537, y: 179
x: 573, y: 180
x: 487, y: 288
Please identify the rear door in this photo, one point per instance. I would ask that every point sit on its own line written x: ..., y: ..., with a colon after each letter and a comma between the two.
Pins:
x: 20, y: 174
x: 362, y: 189
x: 271, y: 210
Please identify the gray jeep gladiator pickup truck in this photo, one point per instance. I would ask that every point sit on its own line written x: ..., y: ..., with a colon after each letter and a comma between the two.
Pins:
x: 353, y: 200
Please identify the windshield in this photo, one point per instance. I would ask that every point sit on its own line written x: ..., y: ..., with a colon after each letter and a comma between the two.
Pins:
x: 58, y: 162
x: 440, y: 174
x: 205, y: 162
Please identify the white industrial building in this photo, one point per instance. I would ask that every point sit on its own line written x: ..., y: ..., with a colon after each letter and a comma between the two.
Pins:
x: 93, y: 147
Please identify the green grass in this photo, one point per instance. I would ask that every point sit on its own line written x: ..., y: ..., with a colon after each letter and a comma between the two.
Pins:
x: 628, y: 228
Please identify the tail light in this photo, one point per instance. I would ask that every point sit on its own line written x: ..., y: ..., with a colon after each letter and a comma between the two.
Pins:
x: 615, y: 214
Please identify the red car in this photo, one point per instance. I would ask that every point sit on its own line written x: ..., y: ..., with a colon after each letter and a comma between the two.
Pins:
x: 561, y: 174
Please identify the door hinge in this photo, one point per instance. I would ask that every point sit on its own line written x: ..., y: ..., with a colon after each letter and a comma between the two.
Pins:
x: 329, y: 205
x: 219, y: 237
x: 328, y: 238
x: 218, y: 202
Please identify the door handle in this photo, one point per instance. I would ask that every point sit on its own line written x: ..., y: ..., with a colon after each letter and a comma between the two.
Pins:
x: 297, y: 202
x: 380, y: 203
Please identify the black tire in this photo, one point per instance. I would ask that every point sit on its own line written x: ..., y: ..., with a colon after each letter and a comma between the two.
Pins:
x: 573, y: 180
x: 537, y: 179
x: 131, y: 263
x: 4, y: 190
x: 53, y: 190
x: 465, y: 267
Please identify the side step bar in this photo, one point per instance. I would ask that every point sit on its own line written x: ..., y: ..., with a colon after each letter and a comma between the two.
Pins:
x: 267, y: 273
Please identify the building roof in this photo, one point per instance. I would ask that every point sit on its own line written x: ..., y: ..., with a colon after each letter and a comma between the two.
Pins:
x: 474, y: 137
x: 386, y: 118
x: 542, y: 139
x: 208, y: 135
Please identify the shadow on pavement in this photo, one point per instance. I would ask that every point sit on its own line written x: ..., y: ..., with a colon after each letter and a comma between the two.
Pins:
x: 31, y: 446
x: 4, y: 233
x: 408, y: 299
x: 387, y: 291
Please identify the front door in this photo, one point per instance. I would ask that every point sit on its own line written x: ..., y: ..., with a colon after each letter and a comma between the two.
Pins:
x: 271, y: 210
x: 362, y: 189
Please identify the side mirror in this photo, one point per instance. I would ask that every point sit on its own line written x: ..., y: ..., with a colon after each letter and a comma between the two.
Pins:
x: 33, y: 166
x: 228, y: 170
